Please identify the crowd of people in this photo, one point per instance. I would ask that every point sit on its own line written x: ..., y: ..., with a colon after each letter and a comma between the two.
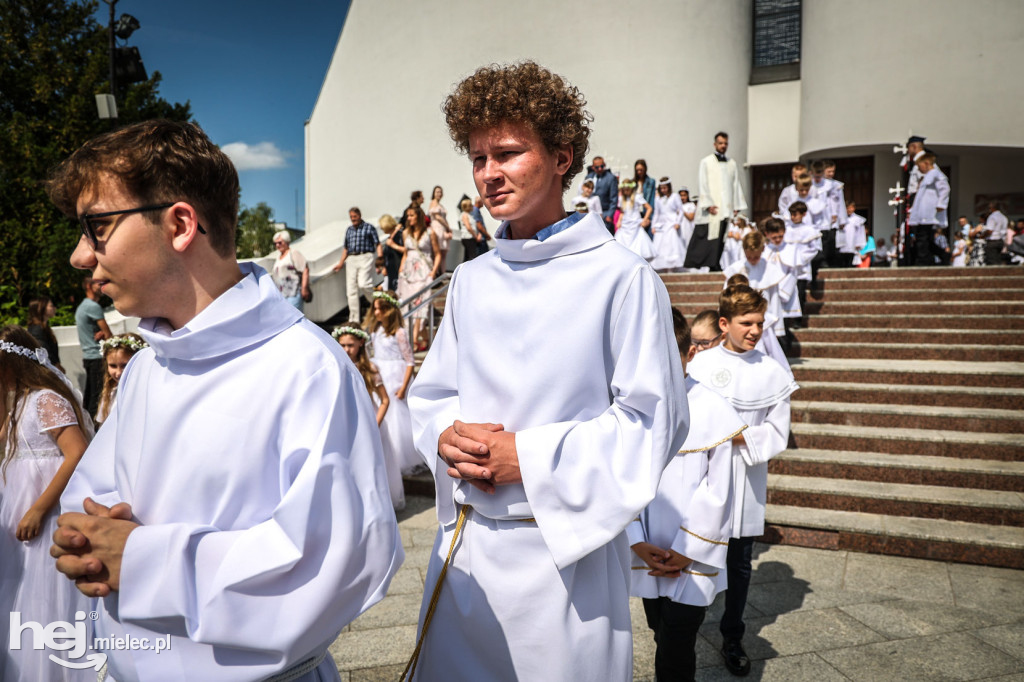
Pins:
x: 248, y: 465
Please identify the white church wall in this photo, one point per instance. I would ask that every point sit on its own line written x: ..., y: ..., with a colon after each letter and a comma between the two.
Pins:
x: 661, y: 77
x: 874, y: 69
x: 774, y: 120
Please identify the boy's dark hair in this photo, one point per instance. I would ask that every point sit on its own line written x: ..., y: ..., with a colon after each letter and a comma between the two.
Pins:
x: 803, y: 181
x: 798, y: 207
x: 927, y: 158
x: 157, y: 161
x: 818, y: 167
x: 682, y: 330
x: 773, y: 225
x: 705, y: 317
x: 722, y: 135
x: 828, y: 163
x: 753, y: 241
x: 521, y: 93
x: 737, y: 279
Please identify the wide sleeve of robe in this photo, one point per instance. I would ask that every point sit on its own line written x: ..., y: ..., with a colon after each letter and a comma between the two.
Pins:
x: 769, y: 438
x: 705, y: 525
x: 325, y: 554
x: 587, y: 480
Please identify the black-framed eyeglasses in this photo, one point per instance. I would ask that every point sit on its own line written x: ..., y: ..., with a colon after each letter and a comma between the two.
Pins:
x: 702, y: 343
x: 84, y: 220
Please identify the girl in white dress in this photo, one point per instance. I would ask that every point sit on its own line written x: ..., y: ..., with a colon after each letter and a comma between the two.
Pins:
x: 668, y: 217
x: 117, y: 351
x: 686, y: 225
x: 635, y: 210
x: 393, y: 356
x: 354, y: 340
x: 43, y: 433
x: 733, y: 250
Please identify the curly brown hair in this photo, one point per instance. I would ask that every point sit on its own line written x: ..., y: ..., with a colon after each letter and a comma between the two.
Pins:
x: 523, y: 93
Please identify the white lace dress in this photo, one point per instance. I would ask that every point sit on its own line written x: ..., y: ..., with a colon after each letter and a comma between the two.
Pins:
x: 393, y: 355
x: 29, y: 582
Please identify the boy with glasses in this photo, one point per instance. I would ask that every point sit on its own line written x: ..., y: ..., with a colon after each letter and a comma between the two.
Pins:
x: 227, y: 487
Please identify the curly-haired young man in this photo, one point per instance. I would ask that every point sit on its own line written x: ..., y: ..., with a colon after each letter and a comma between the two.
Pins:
x: 548, y: 407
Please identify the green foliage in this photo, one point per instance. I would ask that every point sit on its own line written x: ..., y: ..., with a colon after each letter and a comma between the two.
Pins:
x: 255, y: 235
x: 53, y: 61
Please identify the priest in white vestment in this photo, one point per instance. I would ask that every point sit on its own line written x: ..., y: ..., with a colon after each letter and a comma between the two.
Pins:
x: 235, y: 500
x: 720, y: 198
x: 549, y: 405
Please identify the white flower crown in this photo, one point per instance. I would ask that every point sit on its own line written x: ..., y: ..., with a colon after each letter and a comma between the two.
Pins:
x: 358, y: 333
x: 128, y: 342
x: 387, y: 297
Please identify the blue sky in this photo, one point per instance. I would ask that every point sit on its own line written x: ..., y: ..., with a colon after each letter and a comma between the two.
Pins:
x: 251, y: 70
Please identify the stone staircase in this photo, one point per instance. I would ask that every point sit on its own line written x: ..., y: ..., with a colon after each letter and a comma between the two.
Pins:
x: 908, y: 431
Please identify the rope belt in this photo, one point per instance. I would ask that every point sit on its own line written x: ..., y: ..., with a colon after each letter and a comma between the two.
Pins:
x: 410, y: 667
x: 299, y: 669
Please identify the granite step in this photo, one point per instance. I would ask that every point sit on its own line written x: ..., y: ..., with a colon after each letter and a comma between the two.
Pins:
x: 993, y: 507
x: 880, y: 320
x: 937, y: 539
x: 939, y: 293
x: 911, y: 469
x: 933, y: 442
x: 904, y: 273
x: 981, y: 420
x: 937, y: 310
x: 983, y: 337
x: 1015, y: 282
x: 907, y: 351
x: 895, y: 394
x: 910, y: 372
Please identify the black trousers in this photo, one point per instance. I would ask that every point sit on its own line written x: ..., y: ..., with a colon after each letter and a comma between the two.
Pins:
x: 703, y: 252
x: 994, y: 251
x: 925, y: 249
x: 827, y: 255
x: 675, y: 629
x: 93, y: 384
x: 737, y: 563
x: 468, y: 249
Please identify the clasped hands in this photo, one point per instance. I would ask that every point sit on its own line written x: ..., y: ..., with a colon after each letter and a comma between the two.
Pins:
x: 88, y: 547
x: 483, y: 455
x: 664, y: 563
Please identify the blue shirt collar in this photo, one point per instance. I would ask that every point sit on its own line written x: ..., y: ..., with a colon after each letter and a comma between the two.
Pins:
x: 551, y: 230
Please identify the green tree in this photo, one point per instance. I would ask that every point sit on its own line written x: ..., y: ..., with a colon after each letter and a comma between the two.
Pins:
x: 53, y: 61
x: 255, y: 234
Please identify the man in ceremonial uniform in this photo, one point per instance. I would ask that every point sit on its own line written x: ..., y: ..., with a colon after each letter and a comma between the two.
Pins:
x: 719, y: 200
x: 542, y: 449
x: 235, y: 498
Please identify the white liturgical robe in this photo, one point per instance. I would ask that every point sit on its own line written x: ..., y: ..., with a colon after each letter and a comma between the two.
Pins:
x: 758, y: 388
x: 247, y: 446
x: 568, y: 343
x: 692, y: 513
x: 719, y: 187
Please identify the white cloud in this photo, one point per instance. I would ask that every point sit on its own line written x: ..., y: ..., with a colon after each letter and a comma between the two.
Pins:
x: 260, y: 156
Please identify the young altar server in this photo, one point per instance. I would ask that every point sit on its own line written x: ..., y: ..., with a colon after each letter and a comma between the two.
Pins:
x: 759, y: 389
x: 789, y: 195
x: 805, y: 241
x: 680, y: 540
x: 765, y: 276
x: 588, y: 198
x: 668, y: 217
x: 235, y: 500
x: 853, y: 236
x: 785, y: 256
x: 542, y: 452
x: 929, y: 211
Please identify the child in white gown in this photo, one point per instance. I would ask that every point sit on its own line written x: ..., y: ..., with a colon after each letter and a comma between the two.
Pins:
x: 43, y: 438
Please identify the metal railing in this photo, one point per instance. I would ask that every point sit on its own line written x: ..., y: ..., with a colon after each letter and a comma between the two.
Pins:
x: 441, y: 283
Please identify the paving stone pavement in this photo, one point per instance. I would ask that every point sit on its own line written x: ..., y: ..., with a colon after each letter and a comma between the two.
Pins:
x: 814, y: 615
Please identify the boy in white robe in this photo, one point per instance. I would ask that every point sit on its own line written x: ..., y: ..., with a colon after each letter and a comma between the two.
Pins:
x: 588, y: 198
x: 805, y: 242
x: 235, y: 499
x: 680, y: 540
x: 759, y: 389
x: 785, y: 256
x: 789, y: 195
x: 543, y: 449
x: 929, y: 211
x: 854, y: 236
x: 763, y: 275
